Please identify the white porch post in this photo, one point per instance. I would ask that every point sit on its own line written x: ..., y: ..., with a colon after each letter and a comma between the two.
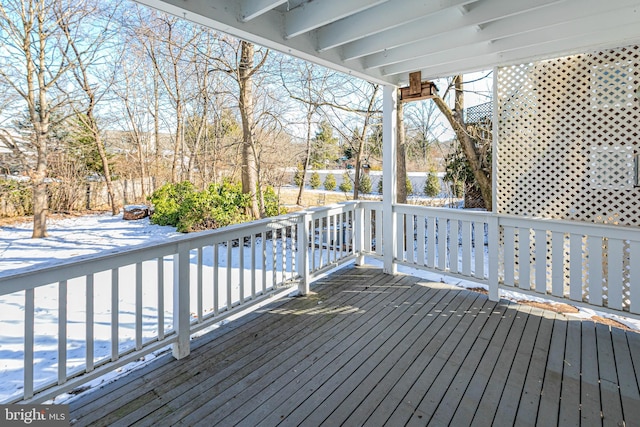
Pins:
x: 181, y: 312
x: 389, y: 190
x: 494, y: 224
x: 302, y: 255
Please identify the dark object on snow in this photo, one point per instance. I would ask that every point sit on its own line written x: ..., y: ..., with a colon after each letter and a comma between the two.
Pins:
x: 133, y: 212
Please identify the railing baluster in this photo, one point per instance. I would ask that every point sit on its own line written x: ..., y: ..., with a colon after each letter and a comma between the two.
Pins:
x: 229, y: 271
x: 274, y: 258
x: 478, y: 249
x: 115, y: 313
x: 160, y: 265
x: 509, y: 256
x: 288, y: 242
x: 541, y: 261
x: 634, y: 276
x: 253, y: 265
x: 557, y: 264
x: 454, y: 245
x: 410, y: 238
x: 379, y: 228
x: 431, y: 241
x: 594, y: 246
x: 367, y: 229
x: 312, y: 241
x: 524, y: 258
x: 401, y: 236
x: 89, y: 323
x: 199, y: 301
x: 138, y: 305
x: 241, y: 268
x: 420, y: 240
x: 62, y: 332
x: 466, y: 248
x: 264, y: 262
x: 29, y: 338
x: 443, y: 236
x: 216, y: 280
x: 614, y: 280
x: 575, y: 267
x: 334, y: 238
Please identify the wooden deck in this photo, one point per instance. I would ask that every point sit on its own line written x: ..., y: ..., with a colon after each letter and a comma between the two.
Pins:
x: 371, y: 349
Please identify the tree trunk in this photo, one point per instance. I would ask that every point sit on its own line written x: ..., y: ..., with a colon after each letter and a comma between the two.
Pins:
x: 40, y: 197
x: 249, y: 178
x: 363, y: 135
x: 107, y: 172
x: 305, y: 166
x: 468, y: 145
x: 401, y: 162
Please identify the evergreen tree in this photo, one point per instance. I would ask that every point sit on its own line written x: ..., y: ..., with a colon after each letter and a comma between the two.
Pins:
x: 330, y: 182
x: 324, y: 150
x: 365, y: 184
x: 432, y: 185
x: 314, y: 180
x: 346, y: 185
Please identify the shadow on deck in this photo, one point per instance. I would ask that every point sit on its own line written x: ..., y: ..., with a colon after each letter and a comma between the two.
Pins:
x: 367, y: 348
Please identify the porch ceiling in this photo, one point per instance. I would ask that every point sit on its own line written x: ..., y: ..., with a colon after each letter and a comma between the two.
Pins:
x: 384, y: 40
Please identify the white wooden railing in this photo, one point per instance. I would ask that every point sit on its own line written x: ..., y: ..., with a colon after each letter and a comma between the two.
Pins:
x: 162, y: 293
x: 584, y: 263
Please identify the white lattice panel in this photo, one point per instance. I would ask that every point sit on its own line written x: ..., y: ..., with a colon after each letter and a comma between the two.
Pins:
x: 568, y: 130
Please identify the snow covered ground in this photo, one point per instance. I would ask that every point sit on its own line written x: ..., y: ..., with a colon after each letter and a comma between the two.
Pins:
x: 81, y: 236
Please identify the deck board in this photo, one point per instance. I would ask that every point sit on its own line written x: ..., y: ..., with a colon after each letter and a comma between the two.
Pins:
x: 371, y: 349
x: 549, y: 406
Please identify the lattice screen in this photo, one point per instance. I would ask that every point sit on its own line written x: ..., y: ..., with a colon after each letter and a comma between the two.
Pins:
x: 568, y: 129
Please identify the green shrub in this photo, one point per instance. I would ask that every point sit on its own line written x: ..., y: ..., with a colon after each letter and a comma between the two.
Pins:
x: 346, y: 185
x: 272, y: 203
x: 314, y: 180
x: 181, y: 206
x: 298, y: 177
x: 408, y: 185
x: 330, y: 182
x: 365, y: 184
x: 18, y: 195
x: 166, y: 202
x: 432, y: 185
x: 218, y: 206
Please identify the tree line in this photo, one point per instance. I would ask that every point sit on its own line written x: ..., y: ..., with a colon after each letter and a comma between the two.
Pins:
x: 114, y: 89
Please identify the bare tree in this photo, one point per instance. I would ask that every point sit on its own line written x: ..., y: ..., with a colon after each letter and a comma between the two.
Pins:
x: 480, y: 168
x: 33, y: 65
x: 88, y: 57
x: 307, y: 84
x: 170, y: 43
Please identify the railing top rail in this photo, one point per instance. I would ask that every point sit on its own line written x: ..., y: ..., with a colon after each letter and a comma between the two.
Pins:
x: 459, y: 214
x: 35, y: 276
x: 621, y: 232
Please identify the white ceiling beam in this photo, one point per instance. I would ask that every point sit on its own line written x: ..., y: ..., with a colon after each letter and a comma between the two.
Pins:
x: 250, y: 9
x: 617, y: 36
x: 315, y: 14
x: 479, y: 13
x: 265, y: 30
x: 389, y: 15
x: 561, y: 14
